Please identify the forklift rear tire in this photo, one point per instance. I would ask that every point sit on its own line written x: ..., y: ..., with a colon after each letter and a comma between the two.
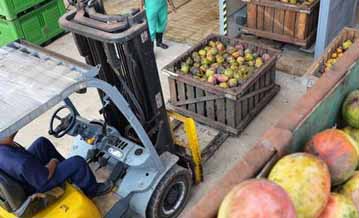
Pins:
x: 171, y: 194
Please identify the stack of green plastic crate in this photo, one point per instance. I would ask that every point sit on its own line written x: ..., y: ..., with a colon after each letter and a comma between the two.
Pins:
x: 33, y: 20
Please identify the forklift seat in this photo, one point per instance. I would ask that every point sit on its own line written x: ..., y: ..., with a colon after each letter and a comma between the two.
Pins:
x: 14, y: 200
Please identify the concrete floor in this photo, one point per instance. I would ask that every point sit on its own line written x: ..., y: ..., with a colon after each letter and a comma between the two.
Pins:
x: 181, y: 29
x: 180, y: 24
x: 231, y: 151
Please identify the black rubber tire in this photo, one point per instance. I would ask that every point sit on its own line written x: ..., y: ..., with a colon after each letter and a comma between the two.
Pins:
x: 177, y: 175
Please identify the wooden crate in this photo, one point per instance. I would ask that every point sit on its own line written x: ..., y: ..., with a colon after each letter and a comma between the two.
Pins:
x: 317, y: 110
x: 294, y: 24
x: 228, y: 110
x: 317, y: 68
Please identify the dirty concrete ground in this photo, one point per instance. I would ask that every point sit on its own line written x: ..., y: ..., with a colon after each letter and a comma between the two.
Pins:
x: 123, y: 6
x: 230, y: 152
x: 196, y: 19
x: 192, y: 21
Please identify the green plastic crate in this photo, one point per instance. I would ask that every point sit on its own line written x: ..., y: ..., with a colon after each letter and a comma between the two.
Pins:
x: 37, y: 26
x: 9, y: 31
x: 10, y: 9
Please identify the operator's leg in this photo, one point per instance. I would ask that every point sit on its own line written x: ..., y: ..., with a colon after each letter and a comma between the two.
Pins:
x: 162, y: 20
x: 44, y: 151
x: 151, y: 13
x: 77, y: 170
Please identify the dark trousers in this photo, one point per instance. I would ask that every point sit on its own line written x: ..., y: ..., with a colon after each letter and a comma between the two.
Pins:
x: 75, y: 168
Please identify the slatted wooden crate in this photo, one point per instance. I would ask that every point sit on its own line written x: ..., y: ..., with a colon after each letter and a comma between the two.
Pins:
x: 318, y: 67
x: 295, y: 24
x: 228, y: 110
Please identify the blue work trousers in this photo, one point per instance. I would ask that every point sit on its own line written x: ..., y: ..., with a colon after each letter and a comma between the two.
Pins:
x: 74, y: 169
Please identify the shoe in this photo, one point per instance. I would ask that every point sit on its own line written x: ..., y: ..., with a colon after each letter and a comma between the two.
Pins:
x: 159, y: 41
x: 152, y: 45
x: 104, y: 188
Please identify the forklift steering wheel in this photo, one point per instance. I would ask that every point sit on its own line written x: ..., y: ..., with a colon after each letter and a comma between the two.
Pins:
x: 67, y: 122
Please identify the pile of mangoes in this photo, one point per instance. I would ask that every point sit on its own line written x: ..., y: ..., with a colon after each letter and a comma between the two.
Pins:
x: 294, y: 2
x: 320, y: 182
x: 338, y: 53
x: 223, y: 66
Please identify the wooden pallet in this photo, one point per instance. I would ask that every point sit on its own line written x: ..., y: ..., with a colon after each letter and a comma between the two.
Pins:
x: 317, y: 68
x: 294, y: 24
x: 229, y: 110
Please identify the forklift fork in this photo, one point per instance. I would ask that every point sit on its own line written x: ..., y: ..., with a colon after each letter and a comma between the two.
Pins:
x: 190, y: 129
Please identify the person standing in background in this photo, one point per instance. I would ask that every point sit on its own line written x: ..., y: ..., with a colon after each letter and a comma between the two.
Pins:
x: 157, y: 18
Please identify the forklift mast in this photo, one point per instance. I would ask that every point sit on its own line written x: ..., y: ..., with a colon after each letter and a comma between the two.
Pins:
x: 121, y: 45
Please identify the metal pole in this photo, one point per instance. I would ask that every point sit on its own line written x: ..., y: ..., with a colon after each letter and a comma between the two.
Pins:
x: 355, y: 6
x: 322, y: 27
x: 329, y: 26
x: 223, y: 17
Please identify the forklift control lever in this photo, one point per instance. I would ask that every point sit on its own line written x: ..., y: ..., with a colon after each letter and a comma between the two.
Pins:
x: 93, y: 155
x: 102, y: 161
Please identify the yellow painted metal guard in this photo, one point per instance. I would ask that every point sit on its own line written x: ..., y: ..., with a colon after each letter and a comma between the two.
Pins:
x: 193, y: 143
x: 74, y: 204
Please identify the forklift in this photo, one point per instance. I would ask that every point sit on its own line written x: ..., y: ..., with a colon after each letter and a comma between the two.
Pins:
x: 153, y: 175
